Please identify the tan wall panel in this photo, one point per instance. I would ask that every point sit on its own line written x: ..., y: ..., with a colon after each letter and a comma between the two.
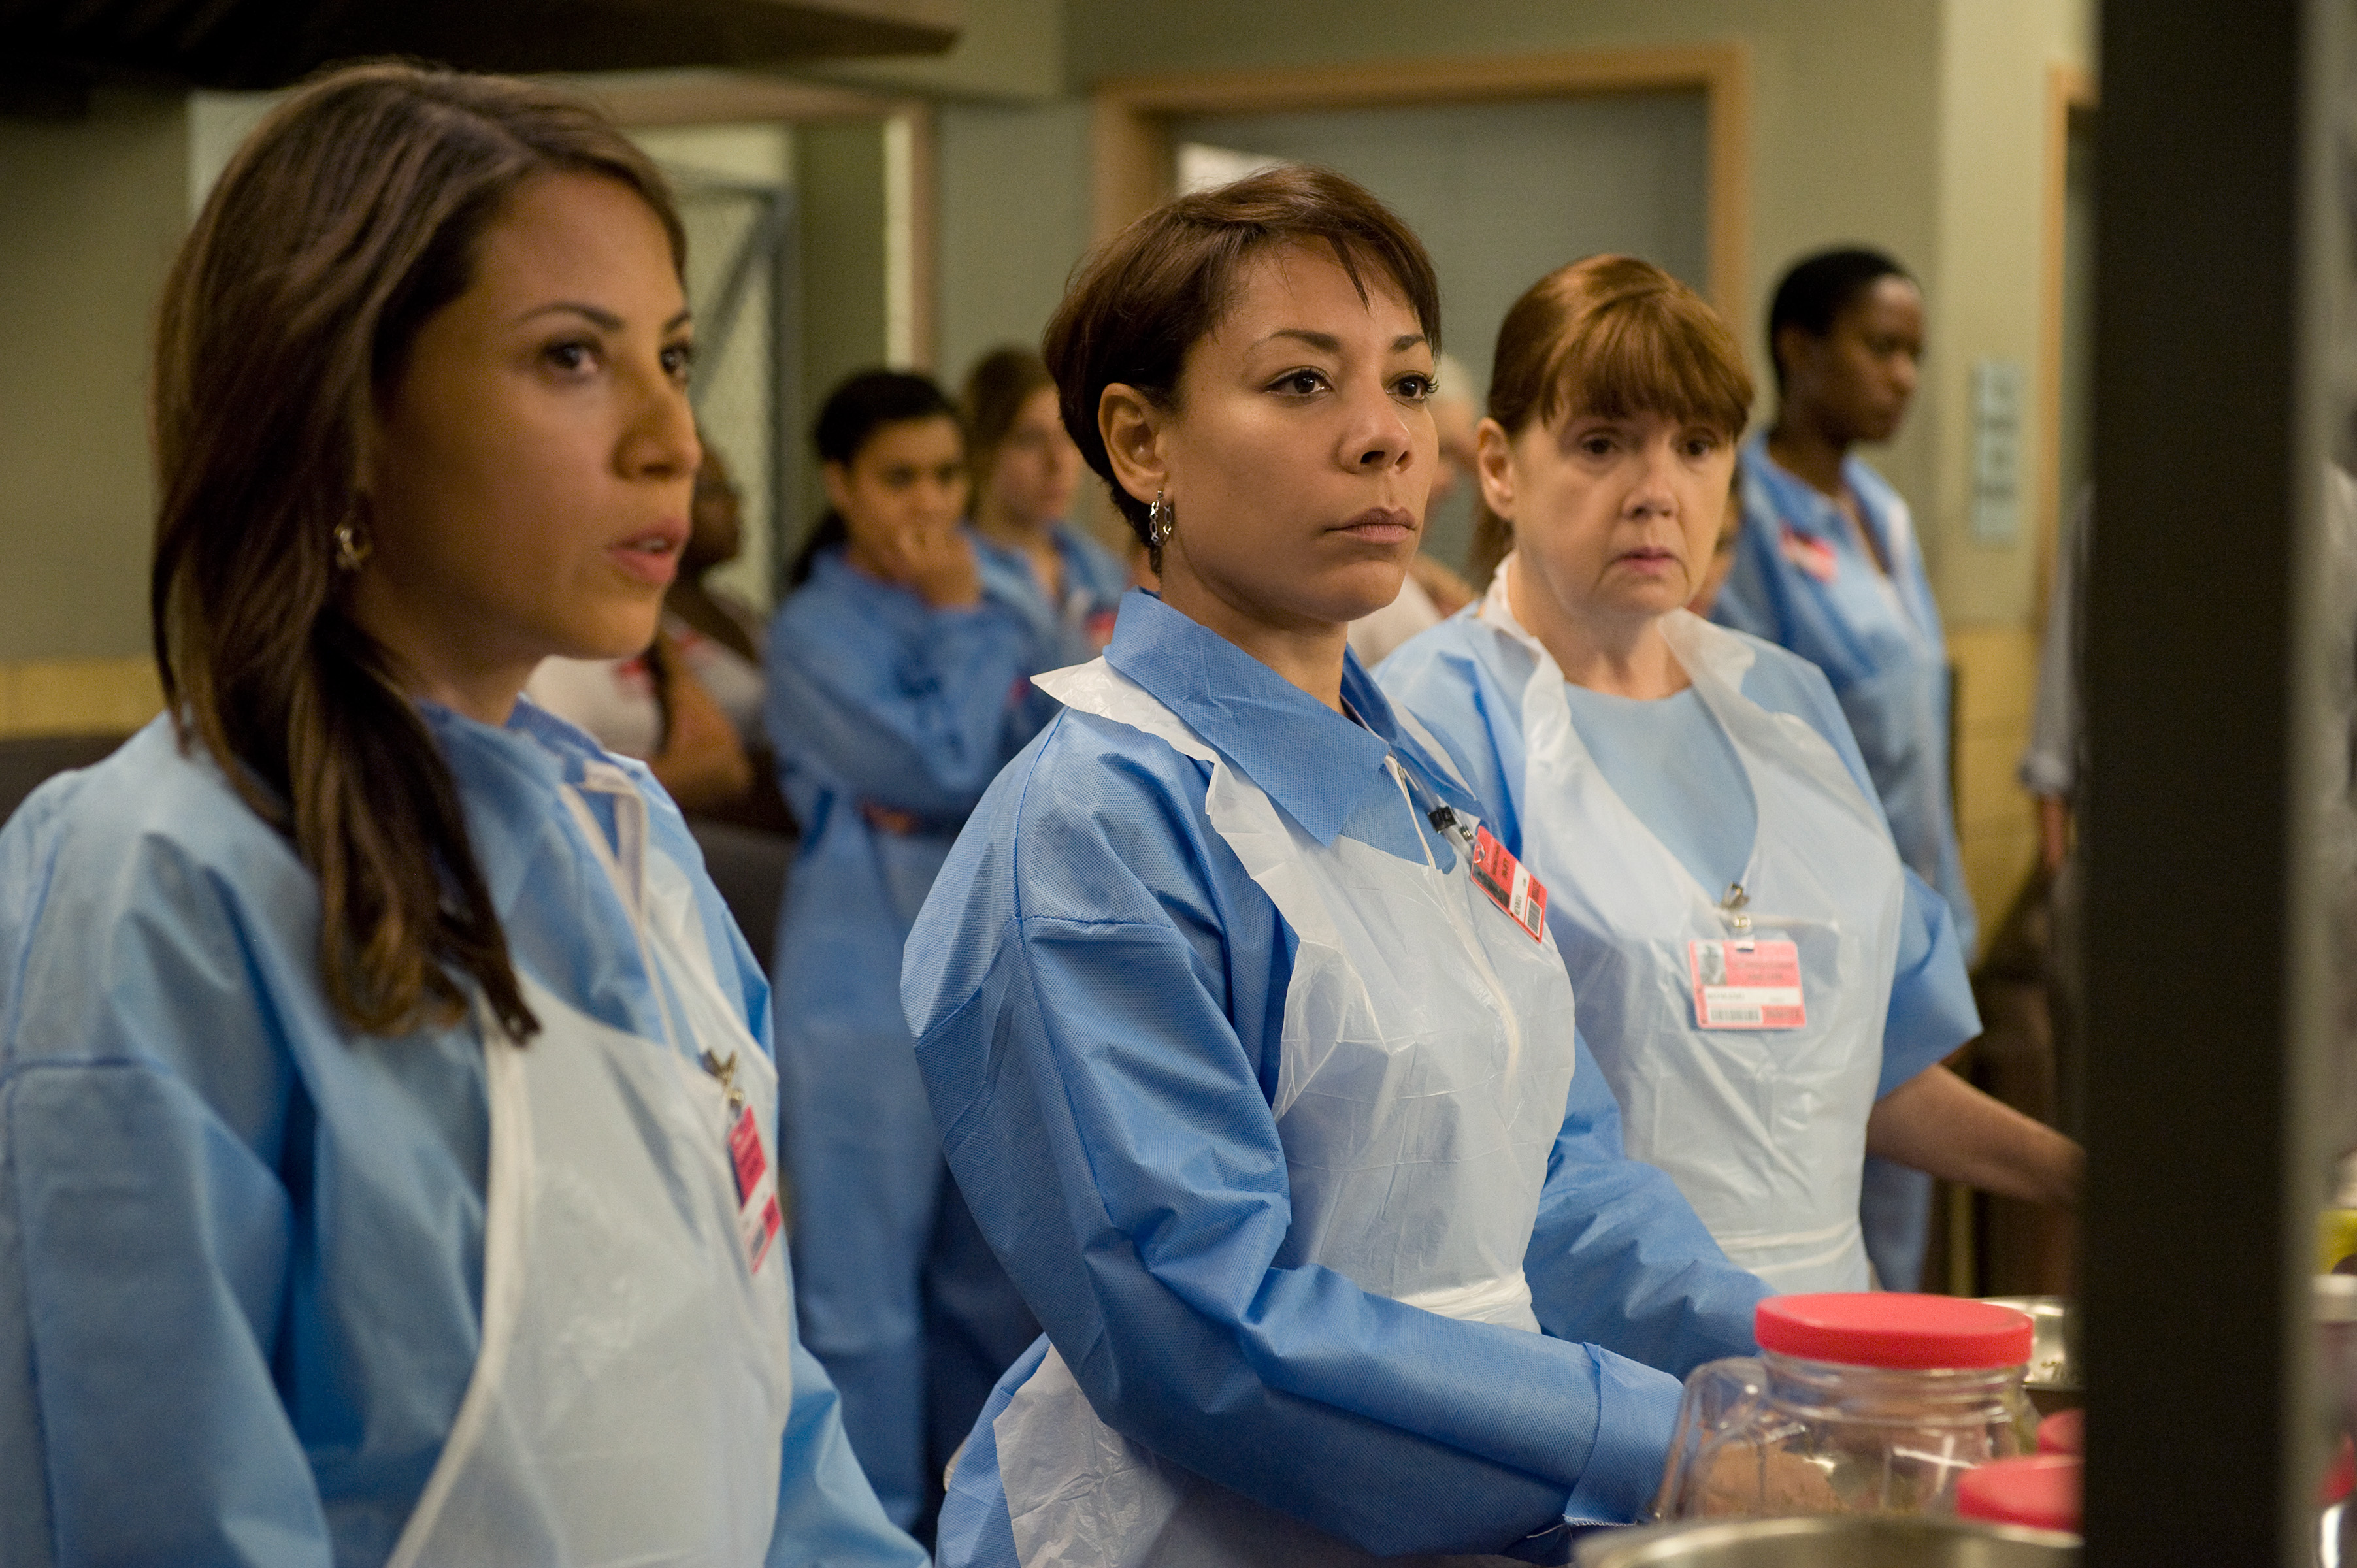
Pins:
x: 1996, y: 823
x: 77, y: 697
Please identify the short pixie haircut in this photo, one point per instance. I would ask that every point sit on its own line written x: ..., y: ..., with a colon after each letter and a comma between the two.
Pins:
x: 1139, y: 301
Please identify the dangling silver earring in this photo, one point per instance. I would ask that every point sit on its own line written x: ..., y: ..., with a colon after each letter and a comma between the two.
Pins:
x: 352, y: 545
x: 1159, y: 522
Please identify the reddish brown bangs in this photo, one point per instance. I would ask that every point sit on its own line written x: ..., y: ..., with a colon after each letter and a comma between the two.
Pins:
x: 1649, y: 351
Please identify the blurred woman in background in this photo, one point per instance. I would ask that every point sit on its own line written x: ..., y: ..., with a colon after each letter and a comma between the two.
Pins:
x: 1026, y: 470
x: 689, y: 704
x: 389, y: 1114
x: 898, y: 689
x: 1767, y: 989
x: 1828, y: 567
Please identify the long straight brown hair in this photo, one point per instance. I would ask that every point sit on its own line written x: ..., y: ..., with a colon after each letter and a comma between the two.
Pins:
x: 346, y: 219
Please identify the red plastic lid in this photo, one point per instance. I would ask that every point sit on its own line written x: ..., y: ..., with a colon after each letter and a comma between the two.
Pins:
x: 2064, y: 1432
x: 2041, y: 1491
x: 1891, y: 1329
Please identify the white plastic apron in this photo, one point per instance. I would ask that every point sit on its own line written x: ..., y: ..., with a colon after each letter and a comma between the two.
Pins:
x: 1762, y: 1129
x: 1425, y: 1058
x: 628, y: 1402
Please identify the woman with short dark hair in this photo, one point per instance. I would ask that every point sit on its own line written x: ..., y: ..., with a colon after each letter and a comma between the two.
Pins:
x: 1828, y: 565
x: 1245, y: 1038
x: 389, y: 1121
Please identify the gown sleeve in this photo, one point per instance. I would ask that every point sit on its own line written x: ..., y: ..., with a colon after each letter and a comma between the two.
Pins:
x: 917, y: 723
x: 1619, y: 1258
x: 146, y: 1232
x: 827, y: 1513
x: 1081, y: 983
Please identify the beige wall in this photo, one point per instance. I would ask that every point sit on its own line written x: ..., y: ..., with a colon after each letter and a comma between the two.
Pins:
x: 95, y: 208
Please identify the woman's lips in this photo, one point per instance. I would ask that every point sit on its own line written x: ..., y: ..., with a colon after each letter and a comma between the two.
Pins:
x: 1381, y: 525
x: 1649, y: 561
x: 651, y: 557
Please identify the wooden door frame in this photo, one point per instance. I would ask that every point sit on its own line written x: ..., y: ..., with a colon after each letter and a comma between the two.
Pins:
x: 1130, y: 127
x: 2070, y: 90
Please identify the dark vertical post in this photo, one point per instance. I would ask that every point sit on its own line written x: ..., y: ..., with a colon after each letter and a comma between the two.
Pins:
x: 2203, y: 1182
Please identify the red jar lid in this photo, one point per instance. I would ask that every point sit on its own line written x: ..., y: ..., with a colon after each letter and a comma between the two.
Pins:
x: 2041, y: 1491
x: 1895, y: 1330
x: 2064, y: 1432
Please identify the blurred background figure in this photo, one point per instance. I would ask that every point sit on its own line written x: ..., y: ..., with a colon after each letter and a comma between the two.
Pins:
x: 1432, y: 592
x: 1828, y: 565
x: 1722, y: 550
x: 898, y: 687
x: 1025, y: 471
x: 690, y: 705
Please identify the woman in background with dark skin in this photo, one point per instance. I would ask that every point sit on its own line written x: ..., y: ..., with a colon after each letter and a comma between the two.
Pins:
x: 897, y: 688
x: 1828, y: 567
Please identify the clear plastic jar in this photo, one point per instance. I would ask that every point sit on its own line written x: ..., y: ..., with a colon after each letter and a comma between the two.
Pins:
x: 1857, y: 1403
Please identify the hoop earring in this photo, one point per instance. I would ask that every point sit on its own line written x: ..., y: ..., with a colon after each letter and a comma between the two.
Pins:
x: 1160, y: 522
x: 352, y: 546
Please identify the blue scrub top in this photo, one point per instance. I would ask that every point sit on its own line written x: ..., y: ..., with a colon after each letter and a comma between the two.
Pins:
x: 1474, y: 709
x: 240, y: 1248
x: 1802, y: 580
x: 1099, y: 989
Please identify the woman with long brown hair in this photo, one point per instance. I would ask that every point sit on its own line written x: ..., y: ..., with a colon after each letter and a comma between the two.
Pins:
x: 387, y: 1127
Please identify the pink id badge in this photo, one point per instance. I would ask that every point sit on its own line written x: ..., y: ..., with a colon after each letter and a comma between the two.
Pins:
x: 1744, y: 983
x: 758, y: 1219
x: 1509, y: 884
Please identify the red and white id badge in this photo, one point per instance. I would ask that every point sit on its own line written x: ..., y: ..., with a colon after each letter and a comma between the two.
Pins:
x: 758, y: 1219
x: 1509, y: 884
x: 1746, y: 984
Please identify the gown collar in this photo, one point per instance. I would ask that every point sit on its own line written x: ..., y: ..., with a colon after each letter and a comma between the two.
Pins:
x: 1309, y: 759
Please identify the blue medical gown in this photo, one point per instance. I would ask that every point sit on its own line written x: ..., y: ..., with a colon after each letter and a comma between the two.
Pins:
x: 890, y: 718
x: 1473, y: 707
x: 1099, y: 992
x: 241, y: 1248
x: 1877, y: 639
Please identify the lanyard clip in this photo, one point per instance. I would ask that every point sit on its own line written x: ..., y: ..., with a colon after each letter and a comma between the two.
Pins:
x: 725, y: 1071
x: 1731, y: 907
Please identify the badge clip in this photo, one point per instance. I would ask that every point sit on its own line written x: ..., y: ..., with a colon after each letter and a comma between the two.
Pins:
x: 725, y: 1071
x: 1732, y: 906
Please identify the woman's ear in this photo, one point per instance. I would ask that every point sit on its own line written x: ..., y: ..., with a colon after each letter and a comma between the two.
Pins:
x: 1493, y: 460
x: 1130, y: 425
x: 1792, y: 348
x: 838, y: 488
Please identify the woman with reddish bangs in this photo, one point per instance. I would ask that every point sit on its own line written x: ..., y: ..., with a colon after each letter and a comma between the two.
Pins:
x: 1768, y: 989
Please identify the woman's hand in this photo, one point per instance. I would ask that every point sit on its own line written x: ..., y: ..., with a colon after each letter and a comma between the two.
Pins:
x: 702, y: 762
x: 1937, y: 1122
x: 936, y: 564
